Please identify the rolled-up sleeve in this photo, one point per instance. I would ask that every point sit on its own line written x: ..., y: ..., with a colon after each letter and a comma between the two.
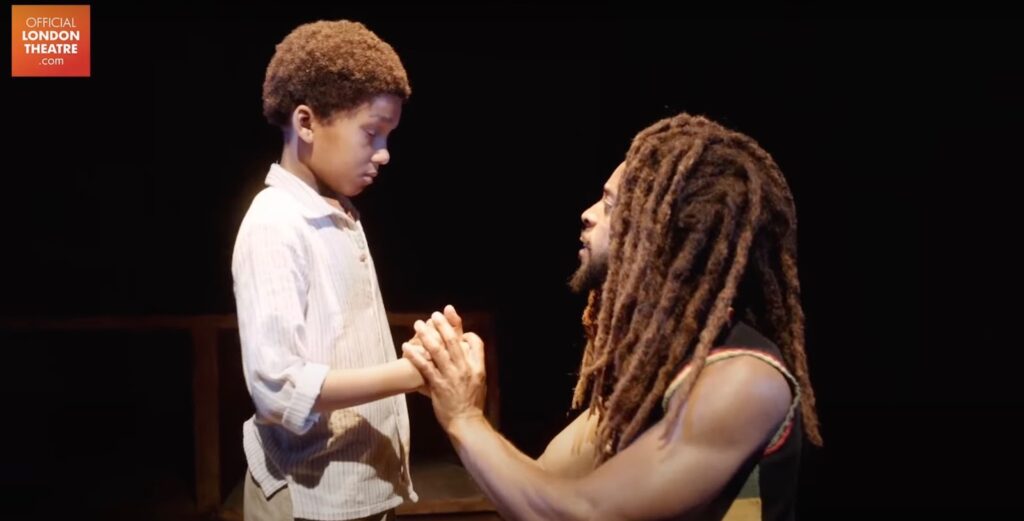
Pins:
x: 271, y: 286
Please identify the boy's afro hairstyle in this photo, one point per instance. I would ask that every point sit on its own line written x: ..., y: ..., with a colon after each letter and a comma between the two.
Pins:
x: 330, y: 66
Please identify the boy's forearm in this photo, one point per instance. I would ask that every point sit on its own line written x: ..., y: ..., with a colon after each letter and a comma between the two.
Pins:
x: 350, y: 387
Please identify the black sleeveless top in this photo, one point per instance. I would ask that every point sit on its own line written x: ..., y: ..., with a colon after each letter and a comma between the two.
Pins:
x: 772, y: 474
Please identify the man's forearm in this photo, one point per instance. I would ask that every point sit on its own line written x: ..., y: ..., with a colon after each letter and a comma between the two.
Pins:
x: 517, y: 485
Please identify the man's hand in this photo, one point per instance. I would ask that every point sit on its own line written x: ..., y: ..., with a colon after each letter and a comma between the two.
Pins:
x: 452, y: 363
x: 416, y: 344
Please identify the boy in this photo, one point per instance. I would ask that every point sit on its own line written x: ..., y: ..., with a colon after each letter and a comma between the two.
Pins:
x: 330, y: 437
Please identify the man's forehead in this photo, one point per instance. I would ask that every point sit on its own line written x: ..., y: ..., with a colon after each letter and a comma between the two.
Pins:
x: 612, y: 185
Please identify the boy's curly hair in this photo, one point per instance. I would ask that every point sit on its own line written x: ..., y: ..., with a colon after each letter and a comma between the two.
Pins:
x: 330, y: 66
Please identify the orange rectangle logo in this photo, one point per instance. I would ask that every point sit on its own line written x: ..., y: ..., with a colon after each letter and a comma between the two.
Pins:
x: 50, y: 40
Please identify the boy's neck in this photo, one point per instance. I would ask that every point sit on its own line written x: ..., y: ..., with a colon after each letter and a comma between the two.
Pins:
x: 290, y: 162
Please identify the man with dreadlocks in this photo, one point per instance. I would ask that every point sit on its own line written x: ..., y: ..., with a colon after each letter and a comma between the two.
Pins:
x: 694, y: 377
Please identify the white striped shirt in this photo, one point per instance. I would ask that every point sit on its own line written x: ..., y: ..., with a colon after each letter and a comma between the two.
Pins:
x: 307, y: 300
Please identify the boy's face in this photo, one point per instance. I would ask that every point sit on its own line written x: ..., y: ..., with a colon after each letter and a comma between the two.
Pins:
x: 349, y: 148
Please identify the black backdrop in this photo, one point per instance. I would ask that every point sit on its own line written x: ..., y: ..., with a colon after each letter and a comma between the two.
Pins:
x: 122, y: 193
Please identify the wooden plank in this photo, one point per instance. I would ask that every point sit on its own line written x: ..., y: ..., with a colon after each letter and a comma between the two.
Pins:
x: 119, y: 322
x: 746, y: 509
x: 444, y: 487
x: 206, y: 419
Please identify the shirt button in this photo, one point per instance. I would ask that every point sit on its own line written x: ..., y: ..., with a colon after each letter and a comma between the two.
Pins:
x: 362, y: 257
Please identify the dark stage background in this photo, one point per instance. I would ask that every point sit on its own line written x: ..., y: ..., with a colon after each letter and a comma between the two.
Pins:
x: 122, y: 193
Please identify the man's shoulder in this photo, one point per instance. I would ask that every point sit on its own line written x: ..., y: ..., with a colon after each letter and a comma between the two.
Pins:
x: 747, y: 379
x: 737, y: 395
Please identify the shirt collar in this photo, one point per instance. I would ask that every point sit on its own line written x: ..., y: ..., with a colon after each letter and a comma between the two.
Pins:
x: 312, y: 204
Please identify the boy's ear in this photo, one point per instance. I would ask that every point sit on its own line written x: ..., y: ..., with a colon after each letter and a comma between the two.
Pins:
x: 302, y: 122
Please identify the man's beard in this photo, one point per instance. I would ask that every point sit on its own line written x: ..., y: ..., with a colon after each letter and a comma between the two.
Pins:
x: 590, y: 275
